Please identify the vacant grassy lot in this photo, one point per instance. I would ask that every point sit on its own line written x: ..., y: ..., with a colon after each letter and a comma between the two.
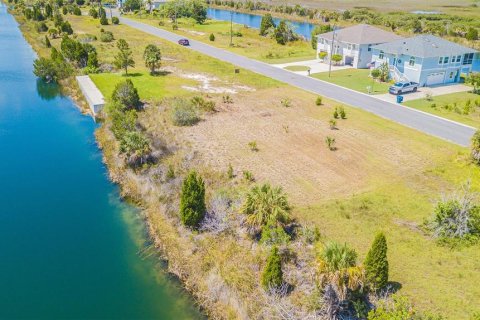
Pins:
x: 355, y: 79
x: 463, y: 107
x: 383, y: 176
x: 249, y: 44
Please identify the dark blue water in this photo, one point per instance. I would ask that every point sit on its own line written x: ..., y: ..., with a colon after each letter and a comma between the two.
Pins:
x: 68, y: 246
x: 302, y: 28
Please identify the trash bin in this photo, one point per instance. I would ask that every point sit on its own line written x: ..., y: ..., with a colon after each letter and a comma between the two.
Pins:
x: 399, y: 99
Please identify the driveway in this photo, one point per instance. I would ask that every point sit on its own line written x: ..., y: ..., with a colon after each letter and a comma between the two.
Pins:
x: 430, y: 124
x: 423, y: 91
x: 316, y: 66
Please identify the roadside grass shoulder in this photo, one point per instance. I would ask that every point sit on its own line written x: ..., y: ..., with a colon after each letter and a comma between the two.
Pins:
x: 355, y: 79
x: 462, y: 107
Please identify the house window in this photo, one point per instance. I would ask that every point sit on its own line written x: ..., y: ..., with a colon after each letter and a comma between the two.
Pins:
x: 468, y: 58
x: 321, y: 40
x: 445, y: 60
x: 451, y: 75
x: 459, y: 58
x: 381, y: 55
x: 440, y: 61
x: 369, y: 47
x: 412, y: 61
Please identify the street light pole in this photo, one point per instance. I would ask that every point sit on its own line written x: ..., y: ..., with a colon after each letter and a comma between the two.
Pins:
x: 331, y: 52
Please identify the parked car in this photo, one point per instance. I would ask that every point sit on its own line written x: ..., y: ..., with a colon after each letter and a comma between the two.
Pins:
x: 184, y: 42
x: 403, y: 87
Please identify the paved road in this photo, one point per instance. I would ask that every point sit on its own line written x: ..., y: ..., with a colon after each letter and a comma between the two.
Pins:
x: 430, y: 124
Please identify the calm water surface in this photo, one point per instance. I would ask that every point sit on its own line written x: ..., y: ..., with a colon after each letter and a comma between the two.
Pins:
x: 252, y: 20
x: 68, y: 246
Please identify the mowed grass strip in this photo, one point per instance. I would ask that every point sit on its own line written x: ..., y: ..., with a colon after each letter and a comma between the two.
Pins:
x: 355, y: 79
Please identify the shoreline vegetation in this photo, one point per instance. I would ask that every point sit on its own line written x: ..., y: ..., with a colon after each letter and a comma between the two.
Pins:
x: 254, y: 249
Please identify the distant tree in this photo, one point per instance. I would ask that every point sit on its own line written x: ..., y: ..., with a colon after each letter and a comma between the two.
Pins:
x: 125, y: 95
x: 80, y: 2
x: 131, y: 5
x: 346, y: 15
x: 199, y: 11
x: 64, y: 11
x: 283, y: 33
x: 67, y: 28
x: 48, y: 10
x: 92, y: 61
x: 272, y: 275
x: 264, y: 204
x: 266, y: 24
x: 103, y: 20
x: 376, y: 264
x: 152, y: 57
x: 472, y: 34
x: 318, y: 30
x: 28, y: 13
x: 124, y: 59
x: 77, y: 11
x: 192, y: 201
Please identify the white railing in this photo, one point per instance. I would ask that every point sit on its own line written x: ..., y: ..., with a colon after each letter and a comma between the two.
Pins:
x: 397, y: 75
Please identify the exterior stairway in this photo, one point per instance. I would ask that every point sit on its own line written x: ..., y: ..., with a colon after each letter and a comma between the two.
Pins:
x: 397, y: 75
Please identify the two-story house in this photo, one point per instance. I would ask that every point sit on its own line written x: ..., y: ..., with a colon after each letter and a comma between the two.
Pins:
x: 426, y: 59
x: 353, y: 43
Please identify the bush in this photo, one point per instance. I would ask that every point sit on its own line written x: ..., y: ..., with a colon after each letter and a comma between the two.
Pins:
x: 330, y: 142
x: 66, y: 27
x: 115, y: 20
x: 135, y: 145
x: 184, y: 114
x: 322, y: 55
x: 202, y: 104
x: 77, y: 11
x: 41, y: 27
x: 376, y: 264
x: 318, y: 101
x: 192, y: 201
x: 456, y: 216
x: 273, y: 234
x: 475, y: 148
x: 212, y: 37
x: 93, y: 13
x: 126, y: 95
x: 267, y: 24
x: 106, y: 36
x: 103, y: 20
x: 336, y: 58
x: 272, y: 275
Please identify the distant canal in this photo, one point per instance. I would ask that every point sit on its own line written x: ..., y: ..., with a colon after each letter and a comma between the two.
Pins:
x: 68, y: 247
x: 253, y: 21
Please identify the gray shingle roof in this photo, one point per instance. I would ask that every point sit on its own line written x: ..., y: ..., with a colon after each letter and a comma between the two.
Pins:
x: 361, y: 34
x: 424, y: 46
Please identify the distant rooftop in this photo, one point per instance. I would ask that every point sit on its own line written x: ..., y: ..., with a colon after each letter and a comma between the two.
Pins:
x: 361, y: 34
x: 424, y: 46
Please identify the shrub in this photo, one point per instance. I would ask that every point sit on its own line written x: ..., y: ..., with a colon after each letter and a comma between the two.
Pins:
x: 192, y: 201
x: 93, y: 13
x: 475, y: 148
x: 115, y: 20
x: 253, y: 146
x: 273, y: 234
x: 335, y: 257
x: 333, y: 124
x: 310, y: 234
x: 342, y: 113
x: 103, y: 20
x: 106, y: 36
x: 336, y: 58
x: 211, y: 37
x: 227, y: 99
x: 47, y: 42
x: 272, y: 275
x: 126, y: 95
x: 456, y: 216
x: 248, y: 176
x: 330, y: 142
x: 184, y: 114
x: 376, y: 263
x: 286, y: 103
x: 267, y: 24
x: 135, y: 145
x: 41, y: 27
x: 45, y: 69
x: 265, y: 204
x: 170, y: 173
x: 122, y: 122
x: 318, y: 101
x: 322, y: 55
x: 230, y: 173
x: 66, y: 27
x: 335, y: 114
x: 203, y: 104
x: 77, y: 11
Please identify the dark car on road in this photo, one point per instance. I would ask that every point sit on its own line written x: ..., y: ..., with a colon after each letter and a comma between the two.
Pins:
x: 184, y: 42
x: 403, y: 87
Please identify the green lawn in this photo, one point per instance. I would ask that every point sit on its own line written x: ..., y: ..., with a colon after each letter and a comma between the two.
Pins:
x: 297, y: 68
x: 454, y: 106
x: 355, y: 79
x: 249, y: 44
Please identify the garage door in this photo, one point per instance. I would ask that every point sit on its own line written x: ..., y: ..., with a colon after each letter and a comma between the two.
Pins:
x: 435, y: 78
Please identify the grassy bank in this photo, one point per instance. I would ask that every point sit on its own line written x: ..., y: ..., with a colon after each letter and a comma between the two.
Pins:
x: 382, y: 176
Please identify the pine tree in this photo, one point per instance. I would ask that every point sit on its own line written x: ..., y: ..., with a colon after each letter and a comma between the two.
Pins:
x: 123, y: 59
x: 272, y: 276
x: 192, y: 200
x: 376, y: 263
x: 266, y: 24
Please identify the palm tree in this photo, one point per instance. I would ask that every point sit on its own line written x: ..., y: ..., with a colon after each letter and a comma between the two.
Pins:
x: 266, y: 204
x: 337, y: 267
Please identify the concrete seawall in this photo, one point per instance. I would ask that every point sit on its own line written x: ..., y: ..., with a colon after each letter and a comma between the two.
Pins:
x: 91, y: 93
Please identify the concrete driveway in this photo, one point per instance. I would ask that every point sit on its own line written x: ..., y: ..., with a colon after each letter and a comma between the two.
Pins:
x: 423, y: 91
x: 316, y: 66
x: 443, y: 128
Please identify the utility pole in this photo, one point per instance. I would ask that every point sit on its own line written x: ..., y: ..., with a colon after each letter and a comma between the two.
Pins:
x: 331, y: 51
x: 231, y: 28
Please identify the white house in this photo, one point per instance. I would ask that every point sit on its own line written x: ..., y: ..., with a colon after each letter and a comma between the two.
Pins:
x: 354, y: 43
x: 426, y: 59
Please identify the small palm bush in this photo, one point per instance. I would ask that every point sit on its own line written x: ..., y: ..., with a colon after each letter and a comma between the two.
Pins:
x: 266, y: 204
x: 330, y: 142
x: 318, y: 102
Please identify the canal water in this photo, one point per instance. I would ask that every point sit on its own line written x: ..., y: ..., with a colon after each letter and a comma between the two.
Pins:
x: 68, y: 247
x: 253, y: 21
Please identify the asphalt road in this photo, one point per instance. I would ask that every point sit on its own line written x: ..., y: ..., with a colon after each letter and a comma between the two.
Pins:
x: 430, y: 124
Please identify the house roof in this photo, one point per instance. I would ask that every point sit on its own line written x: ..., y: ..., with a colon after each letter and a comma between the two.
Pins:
x: 361, y: 34
x: 424, y: 46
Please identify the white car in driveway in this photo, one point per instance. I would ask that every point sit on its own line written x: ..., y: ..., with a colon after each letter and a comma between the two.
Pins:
x: 403, y: 87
